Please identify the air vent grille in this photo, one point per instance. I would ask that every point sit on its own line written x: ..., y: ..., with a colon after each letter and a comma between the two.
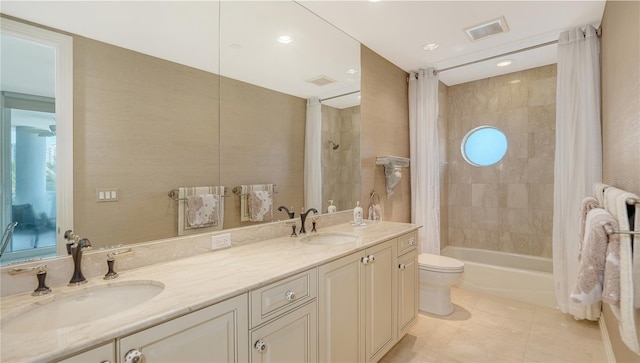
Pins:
x: 321, y: 80
x: 487, y: 29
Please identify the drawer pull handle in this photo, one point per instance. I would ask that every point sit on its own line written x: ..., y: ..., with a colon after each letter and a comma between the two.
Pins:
x: 260, y: 346
x: 290, y: 296
x: 402, y: 266
x: 133, y: 356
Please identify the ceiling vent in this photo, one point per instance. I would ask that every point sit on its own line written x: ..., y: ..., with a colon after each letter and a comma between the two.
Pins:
x: 487, y: 29
x: 321, y: 80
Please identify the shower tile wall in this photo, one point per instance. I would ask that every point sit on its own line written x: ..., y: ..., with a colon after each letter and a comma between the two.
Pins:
x: 341, y: 167
x: 508, y: 206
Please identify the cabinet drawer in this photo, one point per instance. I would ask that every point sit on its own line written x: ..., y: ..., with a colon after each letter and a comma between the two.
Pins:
x: 282, y: 296
x: 406, y: 243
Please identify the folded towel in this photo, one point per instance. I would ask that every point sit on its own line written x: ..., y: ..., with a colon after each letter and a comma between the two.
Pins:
x: 260, y: 206
x: 593, y: 255
x: 202, y: 210
x: 616, y: 202
x: 246, y: 192
x: 202, y: 217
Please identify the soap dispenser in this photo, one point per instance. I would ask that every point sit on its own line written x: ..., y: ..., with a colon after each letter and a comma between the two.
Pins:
x: 357, y: 214
x: 331, y: 208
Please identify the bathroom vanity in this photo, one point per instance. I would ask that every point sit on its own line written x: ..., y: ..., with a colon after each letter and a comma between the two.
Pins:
x: 345, y: 294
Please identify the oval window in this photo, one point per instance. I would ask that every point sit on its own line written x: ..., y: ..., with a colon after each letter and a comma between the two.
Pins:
x: 484, y: 146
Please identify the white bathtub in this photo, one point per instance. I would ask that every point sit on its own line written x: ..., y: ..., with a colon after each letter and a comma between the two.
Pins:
x: 519, y: 277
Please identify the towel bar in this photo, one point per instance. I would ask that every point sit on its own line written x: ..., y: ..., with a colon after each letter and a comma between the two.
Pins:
x: 610, y: 230
x: 173, y: 194
x: 238, y: 190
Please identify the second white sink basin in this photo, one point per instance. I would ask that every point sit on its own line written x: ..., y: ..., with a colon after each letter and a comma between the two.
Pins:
x: 85, y: 305
x: 329, y: 238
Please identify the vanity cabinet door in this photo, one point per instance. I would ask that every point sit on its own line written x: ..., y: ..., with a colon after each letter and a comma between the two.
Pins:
x: 380, y: 299
x: 341, y: 319
x: 214, y: 334
x: 407, y: 292
x: 101, y: 354
x: 291, y: 338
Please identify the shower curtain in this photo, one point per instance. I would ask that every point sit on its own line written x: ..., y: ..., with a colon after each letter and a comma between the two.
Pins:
x: 313, y: 156
x: 425, y: 159
x: 578, y: 157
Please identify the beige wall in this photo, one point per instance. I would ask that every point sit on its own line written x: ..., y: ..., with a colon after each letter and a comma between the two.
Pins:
x: 341, y: 167
x: 620, y: 57
x: 146, y: 126
x: 508, y: 206
x: 385, y: 131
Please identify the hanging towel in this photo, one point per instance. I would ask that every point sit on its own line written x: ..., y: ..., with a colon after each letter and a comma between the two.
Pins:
x: 207, y: 209
x: 375, y: 210
x: 588, y: 204
x: 616, y: 203
x: 591, y: 277
x: 598, y: 192
x: 263, y: 202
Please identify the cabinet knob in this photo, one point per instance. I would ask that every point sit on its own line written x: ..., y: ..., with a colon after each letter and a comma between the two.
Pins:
x: 260, y: 346
x: 106, y: 361
x: 371, y: 258
x: 411, y: 242
x: 402, y: 266
x: 133, y: 356
x: 364, y: 260
x: 290, y: 296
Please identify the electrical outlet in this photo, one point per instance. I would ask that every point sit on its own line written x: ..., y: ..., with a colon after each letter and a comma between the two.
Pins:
x: 220, y: 241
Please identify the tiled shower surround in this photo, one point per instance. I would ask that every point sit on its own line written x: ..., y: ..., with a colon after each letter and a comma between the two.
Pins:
x: 508, y: 206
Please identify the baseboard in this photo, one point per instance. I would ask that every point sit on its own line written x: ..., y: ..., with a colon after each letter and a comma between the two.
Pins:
x: 608, y: 348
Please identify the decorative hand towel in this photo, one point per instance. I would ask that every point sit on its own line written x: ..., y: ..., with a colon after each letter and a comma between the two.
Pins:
x: 616, y: 203
x: 375, y: 210
x: 260, y: 206
x: 202, y: 220
x: 246, y: 192
x: 591, y: 271
x: 202, y: 210
x: 588, y: 204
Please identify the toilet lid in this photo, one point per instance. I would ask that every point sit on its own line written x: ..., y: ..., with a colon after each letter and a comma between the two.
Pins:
x: 439, y: 263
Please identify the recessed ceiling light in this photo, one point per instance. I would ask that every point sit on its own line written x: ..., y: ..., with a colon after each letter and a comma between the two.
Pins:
x: 431, y: 46
x: 285, y: 39
x: 503, y: 63
x: 351, y: 71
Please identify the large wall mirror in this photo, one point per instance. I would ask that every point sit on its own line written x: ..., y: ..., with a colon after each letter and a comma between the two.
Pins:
x: 194, y: 94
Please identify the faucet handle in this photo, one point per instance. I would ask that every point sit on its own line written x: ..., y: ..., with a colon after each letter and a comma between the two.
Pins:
x: 41, y: 274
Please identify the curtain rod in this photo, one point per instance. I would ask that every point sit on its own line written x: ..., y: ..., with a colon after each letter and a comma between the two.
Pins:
x: 344, y: 94
x: 598, y: 33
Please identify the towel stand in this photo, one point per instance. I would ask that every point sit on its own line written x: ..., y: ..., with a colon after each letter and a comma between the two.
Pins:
x: 609, y: 230
x: 173, y: 194
x: 238, y: 190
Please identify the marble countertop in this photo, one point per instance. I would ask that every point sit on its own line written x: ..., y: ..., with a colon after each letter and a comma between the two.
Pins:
x: 189, y: 284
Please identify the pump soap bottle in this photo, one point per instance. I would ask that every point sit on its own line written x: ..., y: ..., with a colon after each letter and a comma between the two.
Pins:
x: 331, y: 208
x: 357, y: 215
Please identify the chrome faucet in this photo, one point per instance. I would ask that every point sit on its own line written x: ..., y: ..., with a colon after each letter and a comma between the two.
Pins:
x: 303, y: 217
x: 74, y: 248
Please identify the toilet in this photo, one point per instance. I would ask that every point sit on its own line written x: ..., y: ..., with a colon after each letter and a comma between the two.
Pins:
x: 437, y: 274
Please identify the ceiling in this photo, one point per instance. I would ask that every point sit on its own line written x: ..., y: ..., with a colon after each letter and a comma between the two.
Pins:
x: 396, y: 30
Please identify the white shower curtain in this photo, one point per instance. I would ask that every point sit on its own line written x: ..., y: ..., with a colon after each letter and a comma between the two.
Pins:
x: 425, y: 159
x: 578, y: 156
x: 313, y: 156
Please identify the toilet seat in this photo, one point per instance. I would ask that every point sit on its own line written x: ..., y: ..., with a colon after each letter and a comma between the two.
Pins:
x: 438, y: 263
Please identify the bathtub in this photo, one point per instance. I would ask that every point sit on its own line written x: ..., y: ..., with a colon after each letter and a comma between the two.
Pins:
x: 518, y: 277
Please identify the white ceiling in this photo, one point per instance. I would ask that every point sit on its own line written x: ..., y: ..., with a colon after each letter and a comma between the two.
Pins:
x: 187, y: 33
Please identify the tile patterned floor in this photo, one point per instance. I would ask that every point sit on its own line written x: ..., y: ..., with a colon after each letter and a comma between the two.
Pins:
x: 484, y: 328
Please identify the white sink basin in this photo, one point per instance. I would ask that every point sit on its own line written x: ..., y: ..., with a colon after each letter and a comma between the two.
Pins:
x: 329, y: 238
x: 84, y: 305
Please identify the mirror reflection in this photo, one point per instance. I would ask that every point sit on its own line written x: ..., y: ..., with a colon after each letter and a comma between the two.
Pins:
x: 153, y: 112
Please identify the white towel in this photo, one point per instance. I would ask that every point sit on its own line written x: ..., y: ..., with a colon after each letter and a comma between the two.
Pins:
x: 598, y: 192
x: 267, y: 199
x: 615, y: 202
x: 200, y: 218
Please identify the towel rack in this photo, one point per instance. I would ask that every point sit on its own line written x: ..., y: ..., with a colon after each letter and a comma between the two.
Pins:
x: 238, y: 190
x: 609, y: 230
x: 173, y: 194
